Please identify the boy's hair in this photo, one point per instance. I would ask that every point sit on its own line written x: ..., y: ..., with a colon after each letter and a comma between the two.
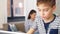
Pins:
x: 31, y: 12
x: 49, y: 2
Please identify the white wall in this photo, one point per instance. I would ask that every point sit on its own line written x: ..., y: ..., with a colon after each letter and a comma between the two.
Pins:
x: 3, y: 12
x: 58, y: 7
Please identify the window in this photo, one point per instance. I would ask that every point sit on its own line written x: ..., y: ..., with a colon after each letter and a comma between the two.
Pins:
x: 15, y: 10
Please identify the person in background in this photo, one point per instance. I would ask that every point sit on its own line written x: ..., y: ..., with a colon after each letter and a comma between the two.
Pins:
x: 30, y: 21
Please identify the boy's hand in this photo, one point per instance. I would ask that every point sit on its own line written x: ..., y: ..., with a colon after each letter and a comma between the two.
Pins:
x: 31, y: 31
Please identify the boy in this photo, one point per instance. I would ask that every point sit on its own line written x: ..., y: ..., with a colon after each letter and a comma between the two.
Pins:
x: 47, y: 23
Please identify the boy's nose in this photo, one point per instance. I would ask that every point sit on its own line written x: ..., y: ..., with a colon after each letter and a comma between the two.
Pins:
x: 42, y: 13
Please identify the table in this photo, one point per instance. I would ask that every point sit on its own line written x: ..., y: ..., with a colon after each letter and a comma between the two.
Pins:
x: 9, y: 32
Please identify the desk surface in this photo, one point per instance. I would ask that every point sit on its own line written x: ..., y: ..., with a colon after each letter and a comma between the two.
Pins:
x: 8, y: 32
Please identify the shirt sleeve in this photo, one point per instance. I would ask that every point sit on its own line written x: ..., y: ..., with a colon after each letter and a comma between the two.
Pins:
x: 59, y: 25
x: 34, y: 26
x: 59, y: 28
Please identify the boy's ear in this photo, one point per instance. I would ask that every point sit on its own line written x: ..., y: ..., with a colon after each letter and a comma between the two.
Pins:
x: 54, y: 8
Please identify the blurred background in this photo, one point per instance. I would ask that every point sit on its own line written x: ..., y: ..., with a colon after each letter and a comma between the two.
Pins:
x: 16, y: 11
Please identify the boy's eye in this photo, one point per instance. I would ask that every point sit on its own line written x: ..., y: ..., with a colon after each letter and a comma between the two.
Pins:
x: 39, y: 10
x: 46, y: 10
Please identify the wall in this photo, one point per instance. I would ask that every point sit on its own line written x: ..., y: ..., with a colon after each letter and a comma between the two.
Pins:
x: 58, y: 7
x: 3, y: 12
x: 8, y: 8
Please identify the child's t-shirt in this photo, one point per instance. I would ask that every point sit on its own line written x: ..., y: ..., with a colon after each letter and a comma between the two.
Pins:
x: 50, y: 28
x: 46, y: 25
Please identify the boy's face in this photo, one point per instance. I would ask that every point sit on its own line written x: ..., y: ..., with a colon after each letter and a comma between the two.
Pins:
x: 45, y: 11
